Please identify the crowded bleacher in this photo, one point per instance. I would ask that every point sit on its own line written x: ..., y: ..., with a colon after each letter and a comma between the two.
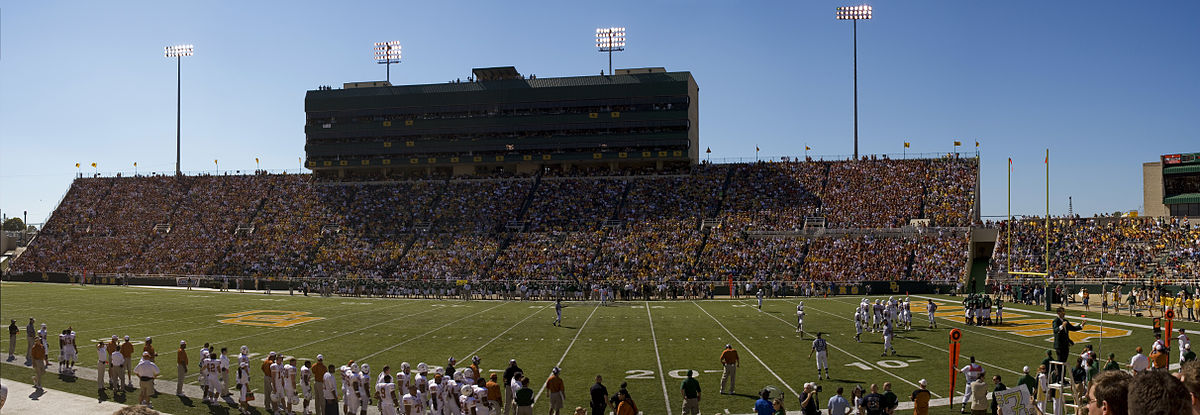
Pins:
x: 744, y: 221
x: 1131, y: 249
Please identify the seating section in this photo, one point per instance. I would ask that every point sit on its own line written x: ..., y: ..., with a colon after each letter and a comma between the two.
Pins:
x: 713, y: 222
x: 1134, y: 249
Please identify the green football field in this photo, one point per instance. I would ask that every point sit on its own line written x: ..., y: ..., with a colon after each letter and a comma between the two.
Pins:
x: 650, y: 345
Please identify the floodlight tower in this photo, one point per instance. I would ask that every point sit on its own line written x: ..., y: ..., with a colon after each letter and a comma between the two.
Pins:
x: 178, y: 52
x: 854, y: 14
x: 387, y: 53
x: 610, y: 39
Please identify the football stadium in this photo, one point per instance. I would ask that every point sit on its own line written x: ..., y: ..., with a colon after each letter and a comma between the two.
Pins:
x: 510, y: 243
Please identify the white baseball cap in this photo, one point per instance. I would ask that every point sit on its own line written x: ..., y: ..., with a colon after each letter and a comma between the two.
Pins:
x: 182, y: 342
x: 923, y: 382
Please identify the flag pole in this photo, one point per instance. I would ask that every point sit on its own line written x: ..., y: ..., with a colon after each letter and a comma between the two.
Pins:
x: 1047, y: 231
x: 1009, y: 224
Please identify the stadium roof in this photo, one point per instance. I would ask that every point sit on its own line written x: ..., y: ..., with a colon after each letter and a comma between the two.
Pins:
x: 1195, y: 168
x: 593, y: 80
x: 1182, y: 198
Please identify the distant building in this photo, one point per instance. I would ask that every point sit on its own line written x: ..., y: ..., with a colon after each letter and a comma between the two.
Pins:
x: 1171, y: 186
x: 499, y: 121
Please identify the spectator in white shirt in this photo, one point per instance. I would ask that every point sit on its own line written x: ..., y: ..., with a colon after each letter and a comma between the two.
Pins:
x: 1139, y: 363
x: 146, y: 371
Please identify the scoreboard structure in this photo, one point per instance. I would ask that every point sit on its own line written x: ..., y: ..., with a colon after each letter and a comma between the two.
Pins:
x: 501, y: 122
x: 1171, y: 186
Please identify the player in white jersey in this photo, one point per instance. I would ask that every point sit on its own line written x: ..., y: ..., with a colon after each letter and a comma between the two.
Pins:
x: 277, y: 395
x: 352, y: 400
x: 858, y: 325
x: 387, y: 395
x: 800, y: 318
x: 66, y: 359
x: 364, y: 388
x: 214, y: 381
x: 888, y: 335
x: 971, y: 371
x: 877, y: 313
x: 404, y: 379
x: 223, y: 368
x: 760, y: 298
x: 306, y: 381
x: 243, y: 385
x: 204, y: 360
x: 435, y: 391
x: 449, y: 391
x: 411, y: 403
x: 819, y: 347
x: 466, y: 400
x: 289, y: 384
x: 421, y: 382
x: 480, y: 393
x: 244, y: 357
x: 931, y: 307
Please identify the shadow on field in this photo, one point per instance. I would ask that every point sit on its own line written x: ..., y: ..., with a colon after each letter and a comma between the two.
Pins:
x: 850, y: 381
x: 186, y: 401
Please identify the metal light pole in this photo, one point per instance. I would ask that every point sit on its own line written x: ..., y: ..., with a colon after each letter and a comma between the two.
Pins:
x: 178, y: 52
x: 854, y: 14
x: 611, y: 39
x: 387, y: 53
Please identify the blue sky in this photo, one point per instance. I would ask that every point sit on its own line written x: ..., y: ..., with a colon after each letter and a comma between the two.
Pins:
x: 1104, y: 85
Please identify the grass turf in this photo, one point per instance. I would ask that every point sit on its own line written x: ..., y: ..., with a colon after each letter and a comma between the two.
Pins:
x: 647, y: 344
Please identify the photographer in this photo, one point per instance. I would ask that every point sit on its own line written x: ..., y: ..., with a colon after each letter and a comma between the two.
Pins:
x: 808, y: 399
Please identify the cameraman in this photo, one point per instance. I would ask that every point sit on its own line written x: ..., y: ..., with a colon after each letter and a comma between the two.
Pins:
x: 808, y: 399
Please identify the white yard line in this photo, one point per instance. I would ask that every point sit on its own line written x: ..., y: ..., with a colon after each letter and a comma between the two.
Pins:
x: 489, y: 342
x: 876, y: 367
x: 423, y: 334
x: 747, y: 349
x: 661, y: 375
x: 564, y: 356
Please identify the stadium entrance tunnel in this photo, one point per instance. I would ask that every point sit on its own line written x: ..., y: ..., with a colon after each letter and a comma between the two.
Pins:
x: 983, y: 242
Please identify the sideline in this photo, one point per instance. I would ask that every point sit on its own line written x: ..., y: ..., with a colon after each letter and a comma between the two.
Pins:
x: 22, y: 400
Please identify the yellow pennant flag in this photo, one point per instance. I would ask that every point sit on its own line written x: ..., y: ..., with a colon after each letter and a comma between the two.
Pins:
x: 906, y: 144
x: 256, y: 159
x: 976, y: 144
x: 93, y: 164
x: 807, y: 148
x: 214, y: 162
x: 958, y: 143
x: 77, y: 165
x: 135, y: 164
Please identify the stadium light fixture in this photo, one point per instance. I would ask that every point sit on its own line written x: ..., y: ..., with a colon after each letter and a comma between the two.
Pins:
x: 610, y: 39
x: 854, y: 14
x: 387, y: 53
x: 178, y: 52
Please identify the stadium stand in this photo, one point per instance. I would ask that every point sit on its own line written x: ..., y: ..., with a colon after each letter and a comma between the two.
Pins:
x: 1131, y: 249
x: 743, y: 221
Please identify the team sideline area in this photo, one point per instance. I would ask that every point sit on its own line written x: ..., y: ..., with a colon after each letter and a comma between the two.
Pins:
x: 648, y: 344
